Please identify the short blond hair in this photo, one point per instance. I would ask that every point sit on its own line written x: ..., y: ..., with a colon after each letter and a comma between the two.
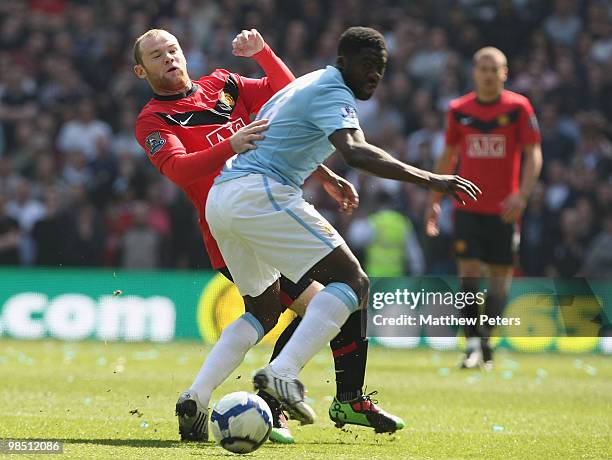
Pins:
x: 147, y: 34
x: 492, y: 52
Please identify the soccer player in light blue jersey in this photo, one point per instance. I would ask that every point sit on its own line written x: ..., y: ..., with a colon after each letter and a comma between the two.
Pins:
x: 264, y: 227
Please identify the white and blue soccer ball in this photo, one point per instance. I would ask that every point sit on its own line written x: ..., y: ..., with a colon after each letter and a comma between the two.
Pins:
x: 241, y: 422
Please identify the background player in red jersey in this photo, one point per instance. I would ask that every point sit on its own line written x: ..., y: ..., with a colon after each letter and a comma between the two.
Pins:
x: 189, y: 130
x: 487, y: 131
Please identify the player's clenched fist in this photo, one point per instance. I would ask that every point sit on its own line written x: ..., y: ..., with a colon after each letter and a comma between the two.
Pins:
x: 247, y: 43
x: 244, y: 139
x: 453, y: 185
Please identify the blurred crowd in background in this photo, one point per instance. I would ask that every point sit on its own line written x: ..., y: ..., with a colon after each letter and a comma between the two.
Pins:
x: 77, y: 190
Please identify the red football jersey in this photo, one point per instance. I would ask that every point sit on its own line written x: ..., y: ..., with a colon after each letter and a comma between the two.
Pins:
x: 491, y: 137
x: 197, y: 125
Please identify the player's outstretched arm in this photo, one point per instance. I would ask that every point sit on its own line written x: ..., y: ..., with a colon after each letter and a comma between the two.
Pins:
x: 190, y: 167
x: 358, y: 153
x: 168, y: 154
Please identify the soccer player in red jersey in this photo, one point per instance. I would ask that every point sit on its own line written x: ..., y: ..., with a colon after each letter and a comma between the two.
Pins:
x: 189, y: 130
x: 488, y: 131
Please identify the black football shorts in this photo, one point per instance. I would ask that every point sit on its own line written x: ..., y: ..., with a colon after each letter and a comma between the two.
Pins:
x: 485, y: 237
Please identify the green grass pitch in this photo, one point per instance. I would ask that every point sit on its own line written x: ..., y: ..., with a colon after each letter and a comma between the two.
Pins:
x: 117, y: 400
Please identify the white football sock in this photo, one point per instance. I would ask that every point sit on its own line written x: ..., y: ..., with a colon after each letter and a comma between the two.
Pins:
x: 326, y: 313
x: 227, y: 354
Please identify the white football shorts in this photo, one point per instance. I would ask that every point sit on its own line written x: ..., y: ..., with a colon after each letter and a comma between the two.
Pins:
x: 265, y: 228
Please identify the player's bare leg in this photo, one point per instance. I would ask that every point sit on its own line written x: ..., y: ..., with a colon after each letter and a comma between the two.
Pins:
x: 471, y: 273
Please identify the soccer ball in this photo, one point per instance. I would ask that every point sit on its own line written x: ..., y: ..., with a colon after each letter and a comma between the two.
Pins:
x: 241, y: 422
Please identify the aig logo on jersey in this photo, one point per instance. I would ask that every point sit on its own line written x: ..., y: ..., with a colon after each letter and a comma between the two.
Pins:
x: 348, y: 112
x: 154, y: 142
x: 486, y: 145
x: 224, y: 132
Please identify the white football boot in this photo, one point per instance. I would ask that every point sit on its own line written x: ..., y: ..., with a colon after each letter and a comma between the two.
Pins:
x: 192, y: 417
x: 287, y: 390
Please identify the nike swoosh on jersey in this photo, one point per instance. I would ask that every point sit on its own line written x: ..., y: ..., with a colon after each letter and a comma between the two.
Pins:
x: 184, y: 122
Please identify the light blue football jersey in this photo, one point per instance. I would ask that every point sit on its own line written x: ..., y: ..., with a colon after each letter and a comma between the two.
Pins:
x: 302, y: 116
